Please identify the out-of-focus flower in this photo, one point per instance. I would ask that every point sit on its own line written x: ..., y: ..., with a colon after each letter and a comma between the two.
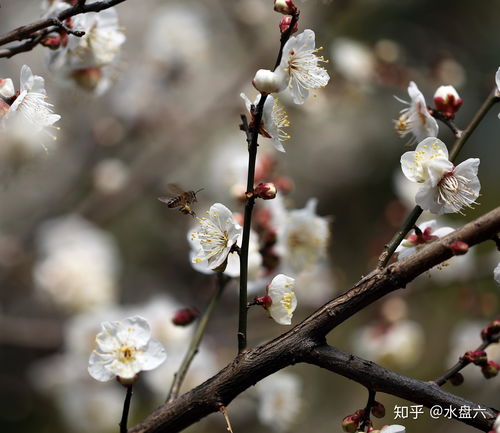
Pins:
x: 399, y: 344
x: 300, y: 65
x: 445, y: 188
x: 217, y: 235
x: 428, y: 233
x: 29, y: 112
x: 110, y: 175
x: 496, y: 424
x: 274, y: 119
x: 284, y: 301
x: 353, y: 60
x: 87, y: 61
x: 78, y: 266
x: 302, y: 237
x: 447, y: 100
x: 266, y: 81
x: 7, y: 89
x: 394, y: 428
x: 416, y: 119
x: 279, y: 400
x: 124, y: 349
x: 496, y: 273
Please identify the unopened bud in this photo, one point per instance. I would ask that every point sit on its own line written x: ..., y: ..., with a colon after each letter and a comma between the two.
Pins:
x: 457, y: 379
x: 285, y: 7
x: 447, y: 100
x: 477, y: 357
x: 350, y: 424
x: 88, y: 78
x: 490, y: 369
x: 52, y: 42
x: 185, y: 316
x: 459, y: 248
x: 285, y: 24
x: 7, y: 88
x: 378, y: 410
x: 492, y: 329
x: 265, y: 191
x: 266, y: 81
x: 266, y: 301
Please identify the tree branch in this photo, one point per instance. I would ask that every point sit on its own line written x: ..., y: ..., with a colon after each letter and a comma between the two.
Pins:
x: 297, y: 344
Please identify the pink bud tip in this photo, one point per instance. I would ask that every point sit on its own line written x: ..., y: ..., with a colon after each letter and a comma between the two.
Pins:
x: 265, y: 191
x: 185, y: 316
x: 477, y: 357
x: 285, y: 7
x: 459, y: 248
x: 491, y: 330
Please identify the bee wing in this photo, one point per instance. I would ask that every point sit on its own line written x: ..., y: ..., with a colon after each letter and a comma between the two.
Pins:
x: 174, y: 189
x: 164, y: 199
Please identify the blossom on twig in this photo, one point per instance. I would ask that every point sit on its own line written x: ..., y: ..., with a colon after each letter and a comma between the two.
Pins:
x: 427, y: 232
x: 124, y: 349
x: 283, y: 299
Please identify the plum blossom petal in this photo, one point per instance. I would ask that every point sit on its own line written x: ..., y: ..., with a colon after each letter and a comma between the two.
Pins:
x: 414, y: 164
x: 284, y: 301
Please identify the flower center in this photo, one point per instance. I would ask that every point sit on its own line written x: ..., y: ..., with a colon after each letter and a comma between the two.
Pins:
x: 286, y: 301
x: 127, y: 354
x: 454, y: 191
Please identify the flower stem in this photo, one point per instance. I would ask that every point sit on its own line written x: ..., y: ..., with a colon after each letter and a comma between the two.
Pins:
x: 417, y: 210
x: 368, y: 408
x: 252, y: 135
x: 126, y: 408
x: 222, y: 280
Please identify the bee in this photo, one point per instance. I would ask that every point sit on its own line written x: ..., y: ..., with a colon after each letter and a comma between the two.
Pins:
x: 180, y: 199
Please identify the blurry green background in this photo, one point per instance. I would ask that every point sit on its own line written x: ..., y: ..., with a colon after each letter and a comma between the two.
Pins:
x: 172, y: 115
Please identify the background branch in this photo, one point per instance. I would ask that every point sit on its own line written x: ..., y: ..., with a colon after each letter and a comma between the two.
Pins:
x: 298, y: 344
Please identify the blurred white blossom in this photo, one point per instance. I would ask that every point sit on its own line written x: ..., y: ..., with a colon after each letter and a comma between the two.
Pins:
x: 353, y: 60
x: 124, y: 349
x: 279, y: 400
x: 496, y: 273
x: 416, y: 119
x: 300, y: 66
x: 78, y: 265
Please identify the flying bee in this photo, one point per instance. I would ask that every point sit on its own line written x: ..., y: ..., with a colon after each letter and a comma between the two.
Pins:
x: 180, y: 199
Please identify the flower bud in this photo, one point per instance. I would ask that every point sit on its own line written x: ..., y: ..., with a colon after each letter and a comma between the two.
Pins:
x: 459, y: 248
x: 378, y: 410
x: 285, y: 7
x: 266, y: 301
x: 88, y: 78
x: 490, y: 369
x: 52, y: 42
x: 350, y: 424
x: 285, y: 24
x: 477, y: 357
x: 266, y: 81
x: 265, y: 191
x: 185, y: 316
x: 447, y: 100
x: 492, y: 329
x: 457, y: 379
x: 7, y: 88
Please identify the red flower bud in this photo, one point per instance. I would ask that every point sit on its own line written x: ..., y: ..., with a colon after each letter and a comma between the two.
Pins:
x: 477, y: 357
x: 285, y: 7
x: 350, y: 424
x: 447, y: 101
x: 265, y: 301
x: 459, y: 248
x: 285, y: 24
x: 265, y: 191
x: 378, y: 410
x: 491, y: 330
x: 457, y: 379
x: 490, y: 369
x: 185, y: 316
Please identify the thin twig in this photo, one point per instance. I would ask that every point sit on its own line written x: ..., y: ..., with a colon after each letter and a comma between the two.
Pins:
x: 222, y: 281
x: 250, y: 199
x: 126, y: 409
x: 368, y: 408
x: 226, y: 417
x: 417, y: 210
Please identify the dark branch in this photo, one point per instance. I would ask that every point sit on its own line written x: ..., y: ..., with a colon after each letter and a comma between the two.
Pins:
x: 298, y: 344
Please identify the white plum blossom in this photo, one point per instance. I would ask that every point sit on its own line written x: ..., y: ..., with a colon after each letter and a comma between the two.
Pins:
x: 217, y: 235
x: 78, y: 265
x: 88, y: 61
x: 284, y: 301
x: 124, y: 349
x: 428, y: 232
x: 445, y: 188
x: 302, y: 237
x: 416, y: 119
x: 496, y: 273
x: 299, y: 65
x: 29, y: 110
x: 354, y: 61
x: 274, y: 119
x: 279, y: 400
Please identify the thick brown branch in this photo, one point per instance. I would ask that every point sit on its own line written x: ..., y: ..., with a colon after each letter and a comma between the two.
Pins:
x: 31, y: 31
x: 296, y: 345
x: 380, y: 379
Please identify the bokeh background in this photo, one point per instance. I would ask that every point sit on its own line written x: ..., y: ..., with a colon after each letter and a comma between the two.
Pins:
x: 172, y: 115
